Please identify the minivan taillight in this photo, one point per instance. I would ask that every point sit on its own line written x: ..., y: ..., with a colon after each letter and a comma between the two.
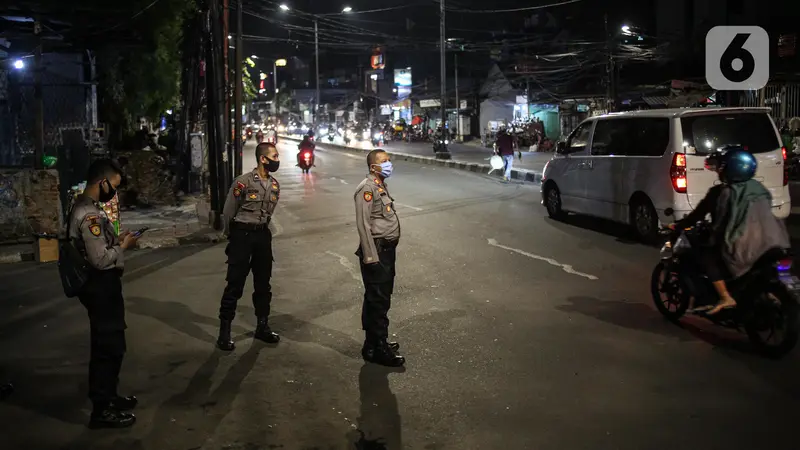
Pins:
x: 678, y: 173
x: 785, y: 167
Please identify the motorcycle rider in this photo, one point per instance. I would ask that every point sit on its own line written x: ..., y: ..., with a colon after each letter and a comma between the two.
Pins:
x: 259, y: 136
x: 743, y: 227
x: 304, y: 145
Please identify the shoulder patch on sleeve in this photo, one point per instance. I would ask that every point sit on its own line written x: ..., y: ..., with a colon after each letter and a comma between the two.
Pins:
x: 237, y: 190
x: 368, y: 196
x: 92, y: 218
x: 94, y: 228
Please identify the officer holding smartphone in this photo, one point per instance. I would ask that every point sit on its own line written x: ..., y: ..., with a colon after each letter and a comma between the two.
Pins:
x: 94, y: 236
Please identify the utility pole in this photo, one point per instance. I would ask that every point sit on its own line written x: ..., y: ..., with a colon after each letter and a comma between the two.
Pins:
x: 611, y: 91
x: 528, y: 97
x: 316, y: 56
x: 38, y: 126
x: 458, y: 103
x: 227, y: 155
x: 216, y: 102
x: 237, y: 108
x: 444, y: 153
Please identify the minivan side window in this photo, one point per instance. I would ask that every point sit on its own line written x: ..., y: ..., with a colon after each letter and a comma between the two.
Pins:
x: 579, y: 139
x: 642, y: 136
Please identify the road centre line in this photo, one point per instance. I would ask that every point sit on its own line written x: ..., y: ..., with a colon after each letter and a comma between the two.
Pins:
x: 565, y: 267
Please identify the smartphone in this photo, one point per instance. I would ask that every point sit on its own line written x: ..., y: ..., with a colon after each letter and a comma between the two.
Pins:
x: 140, y: 231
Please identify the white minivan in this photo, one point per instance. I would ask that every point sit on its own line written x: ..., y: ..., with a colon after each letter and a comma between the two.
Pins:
x: 630, y: 167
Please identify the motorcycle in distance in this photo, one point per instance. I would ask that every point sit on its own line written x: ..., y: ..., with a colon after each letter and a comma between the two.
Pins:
x: 259, y: 136
x: 305, y: 157
x: 378, y: 139
x: 331, y: 134
x: 766, y: 296
x: 440, y: 144
x: 348, y: 136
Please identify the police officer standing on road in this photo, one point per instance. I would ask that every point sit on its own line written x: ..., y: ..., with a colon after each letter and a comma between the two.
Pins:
x: 247, y: 212
x: 379, y: 234
x: 94, y: 236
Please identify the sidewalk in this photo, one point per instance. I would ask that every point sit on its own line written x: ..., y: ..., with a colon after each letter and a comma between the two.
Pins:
x: 466, y: 157
x: 168, y: 226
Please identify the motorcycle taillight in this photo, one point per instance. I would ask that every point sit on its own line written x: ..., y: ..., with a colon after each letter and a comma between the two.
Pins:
x: 785, y: 265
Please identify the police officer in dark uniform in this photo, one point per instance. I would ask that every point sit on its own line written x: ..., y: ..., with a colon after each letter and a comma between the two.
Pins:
x: 379, y: 234
x: 247, y: 212
x: 93, y: 235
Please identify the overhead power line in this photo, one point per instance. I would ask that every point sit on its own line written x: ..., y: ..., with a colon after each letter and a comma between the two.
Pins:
x: 526, y: 8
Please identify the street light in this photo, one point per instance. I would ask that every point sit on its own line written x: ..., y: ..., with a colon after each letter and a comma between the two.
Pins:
x: 347, y: 9
x: 626, y: 29
x: 277, y: 63
x: 283, y: 7
x: 19, y: 64
x: 253, y: 57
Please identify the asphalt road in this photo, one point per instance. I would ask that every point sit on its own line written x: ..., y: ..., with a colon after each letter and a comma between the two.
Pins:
x: 520, y: 333
x: 531, y: 161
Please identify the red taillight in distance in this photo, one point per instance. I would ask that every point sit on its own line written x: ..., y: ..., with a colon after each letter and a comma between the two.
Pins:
x: 678, y: 173
x: 785, y: 167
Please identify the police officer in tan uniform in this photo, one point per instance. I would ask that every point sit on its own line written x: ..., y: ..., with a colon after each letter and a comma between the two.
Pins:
x: 247, y: 212
x: 379, y: 234
x: 94, y: 236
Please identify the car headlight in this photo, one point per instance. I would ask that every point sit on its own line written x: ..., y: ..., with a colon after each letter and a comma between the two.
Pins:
x: 446, y: 142
x: 377, y: 136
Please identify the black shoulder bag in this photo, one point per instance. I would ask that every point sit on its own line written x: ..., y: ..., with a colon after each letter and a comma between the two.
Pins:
x: 72, y: 266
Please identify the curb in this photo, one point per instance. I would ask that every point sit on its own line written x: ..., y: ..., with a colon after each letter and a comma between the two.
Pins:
x: 17, y: 256
x: 524, y: 175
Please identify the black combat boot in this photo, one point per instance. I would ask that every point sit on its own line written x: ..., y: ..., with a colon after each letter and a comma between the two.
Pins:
x: 224, y: 342
x: 380, y: 353
x: 264, y: 333
x: 107, y: 417
x: 393, y: 346
x: 124, y: 403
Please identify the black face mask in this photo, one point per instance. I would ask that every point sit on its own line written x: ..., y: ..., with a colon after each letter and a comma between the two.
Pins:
x: 106, y: 196
x: 271, y: 166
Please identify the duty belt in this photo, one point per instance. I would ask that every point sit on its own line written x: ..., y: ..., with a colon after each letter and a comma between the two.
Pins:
x: 383, y: 243
x: 251, y: 226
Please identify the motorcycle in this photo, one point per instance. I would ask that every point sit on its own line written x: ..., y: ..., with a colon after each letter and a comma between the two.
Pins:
x: 439, y: 144
x: 348, y: 136
x: 331, y: 135
x: 305, y: 158
x: 378, y: 139
x: 766, y: 296
x: 259, y: 137
x: 249, y: 133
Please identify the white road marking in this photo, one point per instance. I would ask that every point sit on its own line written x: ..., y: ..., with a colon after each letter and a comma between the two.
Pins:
x: 343, y: 182
x: 351, y: 268
x: 408, y: 206
x: 565, y: 267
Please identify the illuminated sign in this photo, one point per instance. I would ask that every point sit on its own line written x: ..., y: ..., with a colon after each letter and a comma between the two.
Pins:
x: 377, y: 61
x: 280, y: 63
x: 402, y: 77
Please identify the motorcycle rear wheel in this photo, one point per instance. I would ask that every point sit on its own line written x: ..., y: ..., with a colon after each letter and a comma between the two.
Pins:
x: 676, y: 301
x: 777, y: 308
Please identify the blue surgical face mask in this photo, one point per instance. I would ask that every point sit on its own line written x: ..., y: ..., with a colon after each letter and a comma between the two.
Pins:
x: 386, y: 169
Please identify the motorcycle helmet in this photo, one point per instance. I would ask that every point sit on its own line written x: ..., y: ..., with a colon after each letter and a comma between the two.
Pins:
x: 735, y: 165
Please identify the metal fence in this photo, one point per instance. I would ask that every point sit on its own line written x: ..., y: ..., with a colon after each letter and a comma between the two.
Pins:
x: 66, y: 102
x: 783, y: 99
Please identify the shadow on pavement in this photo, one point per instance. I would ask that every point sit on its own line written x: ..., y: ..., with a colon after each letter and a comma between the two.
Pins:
x: 637, y: 316
x: 379, y: 422
x: 180, y: 317
x: 620, y: 231
x: 190, y: 418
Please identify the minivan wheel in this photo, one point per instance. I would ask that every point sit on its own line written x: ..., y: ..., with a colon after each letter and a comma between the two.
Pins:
x: 552, y: 201
x: 644, y: 220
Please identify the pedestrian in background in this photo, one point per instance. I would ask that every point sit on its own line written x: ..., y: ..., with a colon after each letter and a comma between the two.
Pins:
x: 95, y: 237
x: 247, y: 213
x: 379, y: 234
x: 505, y: 148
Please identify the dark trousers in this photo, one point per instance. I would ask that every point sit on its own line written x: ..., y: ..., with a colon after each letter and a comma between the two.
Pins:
x: 378, y: 286
x: 248, y: 251
x: 710, y: 259
x: 102, y: 298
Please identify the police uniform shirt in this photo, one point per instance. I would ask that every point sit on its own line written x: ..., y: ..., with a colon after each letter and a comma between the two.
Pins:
x: 375, y: 216
x: 94, y: 235
x: 252, y: 200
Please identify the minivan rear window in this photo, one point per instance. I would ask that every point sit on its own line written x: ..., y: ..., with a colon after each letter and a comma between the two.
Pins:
x: 707, y: 133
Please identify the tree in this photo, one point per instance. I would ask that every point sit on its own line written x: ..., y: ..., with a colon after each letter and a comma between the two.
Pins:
x: 143, y: 80
x: 249, y: 92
